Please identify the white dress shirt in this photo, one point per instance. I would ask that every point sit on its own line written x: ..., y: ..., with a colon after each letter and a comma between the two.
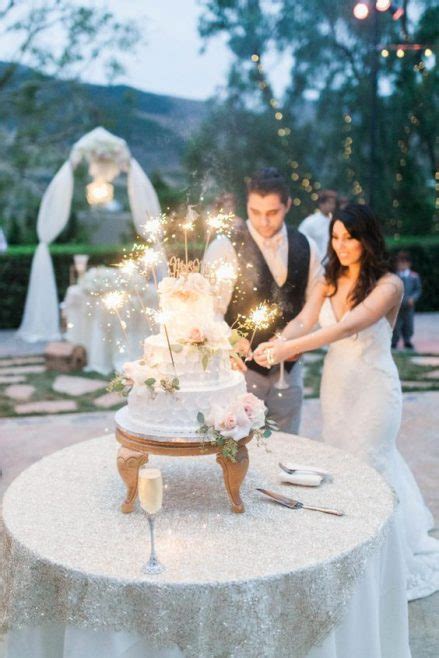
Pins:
x: 316, y: 227
x: 275, y: 253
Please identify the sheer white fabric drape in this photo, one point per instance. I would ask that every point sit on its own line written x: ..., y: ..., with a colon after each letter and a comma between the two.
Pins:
x: 142, y: 197
x: 41, y: 315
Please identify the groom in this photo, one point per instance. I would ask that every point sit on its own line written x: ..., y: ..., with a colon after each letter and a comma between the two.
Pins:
x: 274, y: 264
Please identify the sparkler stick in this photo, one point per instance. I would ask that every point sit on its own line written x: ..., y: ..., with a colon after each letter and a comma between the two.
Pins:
x: 187, y: 226
x: 169, y: 347
x: 160, y: 318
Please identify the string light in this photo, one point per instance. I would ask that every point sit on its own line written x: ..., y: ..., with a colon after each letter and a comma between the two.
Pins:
x: 383, y: 5
x: 361, y: 11
x: 352, y: 178
x: 283, y: 131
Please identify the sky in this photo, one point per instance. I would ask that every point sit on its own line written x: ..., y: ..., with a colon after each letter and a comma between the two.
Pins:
x: 170, y: 61
x: 169, y: 58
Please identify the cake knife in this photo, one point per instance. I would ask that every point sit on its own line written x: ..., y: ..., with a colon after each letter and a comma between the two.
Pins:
x: 296, y: 504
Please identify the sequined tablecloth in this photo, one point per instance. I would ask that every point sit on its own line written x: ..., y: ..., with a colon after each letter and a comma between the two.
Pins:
x: 269, y: 582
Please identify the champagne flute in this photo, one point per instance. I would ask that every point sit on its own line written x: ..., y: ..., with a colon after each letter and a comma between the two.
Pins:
x: 151, y: 496
x: 281, y: 383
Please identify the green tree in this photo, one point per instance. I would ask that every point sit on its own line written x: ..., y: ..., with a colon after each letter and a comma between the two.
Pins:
x: 322, y: 129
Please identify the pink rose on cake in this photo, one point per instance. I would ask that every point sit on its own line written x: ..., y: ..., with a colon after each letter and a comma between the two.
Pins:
x: 232, y: 423
x: 196, y: 336
x: 255, y: 410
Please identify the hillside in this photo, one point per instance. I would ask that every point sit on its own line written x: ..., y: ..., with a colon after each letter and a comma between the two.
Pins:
x: 156, y: 127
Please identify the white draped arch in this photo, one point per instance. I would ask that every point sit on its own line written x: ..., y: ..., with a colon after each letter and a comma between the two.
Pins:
x: 107, y: 156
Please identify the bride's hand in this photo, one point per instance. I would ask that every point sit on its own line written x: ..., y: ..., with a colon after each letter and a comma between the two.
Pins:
x: 269, y: 353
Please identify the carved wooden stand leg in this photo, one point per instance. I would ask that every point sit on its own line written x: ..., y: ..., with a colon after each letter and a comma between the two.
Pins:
x: 234, y: 474
x: 128, y: 463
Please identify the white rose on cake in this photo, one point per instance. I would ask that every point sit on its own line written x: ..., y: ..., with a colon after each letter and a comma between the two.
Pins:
x: 137, y: 372
x: 197, y: 283
x: 255, y: 410
x: 217, y: 333
x: 168, y: 286
x: 189, y: 287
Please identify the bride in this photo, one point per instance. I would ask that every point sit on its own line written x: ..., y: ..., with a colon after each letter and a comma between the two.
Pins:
x: 356, y: 306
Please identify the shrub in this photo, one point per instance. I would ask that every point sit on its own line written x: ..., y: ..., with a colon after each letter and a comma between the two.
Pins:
x: 16, y: 262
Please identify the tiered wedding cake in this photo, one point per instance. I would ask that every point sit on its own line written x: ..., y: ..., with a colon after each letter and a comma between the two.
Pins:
x: 186, y: 370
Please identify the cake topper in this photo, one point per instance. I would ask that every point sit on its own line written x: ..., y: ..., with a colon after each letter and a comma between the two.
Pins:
x: 178, y: 267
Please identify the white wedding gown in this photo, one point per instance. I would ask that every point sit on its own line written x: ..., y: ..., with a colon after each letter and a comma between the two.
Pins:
x: 361, y: 405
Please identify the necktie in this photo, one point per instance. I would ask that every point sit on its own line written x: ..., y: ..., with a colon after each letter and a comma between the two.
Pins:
x: 273, y: 256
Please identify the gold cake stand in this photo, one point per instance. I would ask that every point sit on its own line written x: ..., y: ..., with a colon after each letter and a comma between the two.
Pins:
x: 135, y: 449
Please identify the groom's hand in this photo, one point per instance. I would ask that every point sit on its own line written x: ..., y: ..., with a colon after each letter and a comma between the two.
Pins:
x: 237, y: 363
x: 242, y: 347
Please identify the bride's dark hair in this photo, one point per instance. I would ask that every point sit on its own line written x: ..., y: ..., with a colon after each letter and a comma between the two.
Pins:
x: 361, y: 223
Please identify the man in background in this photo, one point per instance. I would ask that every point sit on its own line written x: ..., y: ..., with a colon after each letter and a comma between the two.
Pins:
x: 316, y: 226
x: 412, y: 291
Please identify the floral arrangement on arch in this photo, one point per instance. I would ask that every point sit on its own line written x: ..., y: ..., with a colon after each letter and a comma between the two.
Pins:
x: 225, y: 427
x: 106, y: 154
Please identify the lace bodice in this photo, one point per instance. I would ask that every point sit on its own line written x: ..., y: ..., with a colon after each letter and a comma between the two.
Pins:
x: 373, y: 341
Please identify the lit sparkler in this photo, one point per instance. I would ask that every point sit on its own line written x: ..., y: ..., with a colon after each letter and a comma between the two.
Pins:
x: 261, y: 317
x: 153, y: 227
x: 113, y: 301
x: 219, y: 223
x: 225, y: 272
x: 128, y: 267
x: 150, y: 259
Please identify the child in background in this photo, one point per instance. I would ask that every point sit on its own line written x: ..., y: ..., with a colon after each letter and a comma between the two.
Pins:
x: 412, y: 291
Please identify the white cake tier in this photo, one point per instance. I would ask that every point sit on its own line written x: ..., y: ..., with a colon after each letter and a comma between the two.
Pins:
x: 168, y: 415
x: 188, y: 360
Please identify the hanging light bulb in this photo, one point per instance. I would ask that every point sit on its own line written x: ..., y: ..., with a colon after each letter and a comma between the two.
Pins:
x: 400, y: 53
x: 361, y: 10
x: 383, y: 5
x: 99, y: 192
x: 428, y: 52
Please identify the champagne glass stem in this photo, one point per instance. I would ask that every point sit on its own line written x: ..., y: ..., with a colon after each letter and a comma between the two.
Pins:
x: 281, y: 383
x: 153, y: 556
x: 153, y: 566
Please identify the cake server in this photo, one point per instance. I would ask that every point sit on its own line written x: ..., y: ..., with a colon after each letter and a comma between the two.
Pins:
x: 296, y: 504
